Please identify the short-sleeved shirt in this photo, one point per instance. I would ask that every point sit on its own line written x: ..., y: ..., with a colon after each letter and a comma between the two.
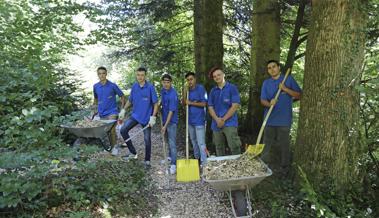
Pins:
x: 196, y: 115
x: 221, y: 100
x: 281, y: 114
x: 143, y: 100
x: 106, y: 98
x: 169, y: 103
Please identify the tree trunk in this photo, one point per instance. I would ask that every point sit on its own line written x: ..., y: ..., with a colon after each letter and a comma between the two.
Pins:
x: 209, y: 50
x: 295, y: 36
x: 265, y: 46
x: 327, y: 146
x: 208, y: 29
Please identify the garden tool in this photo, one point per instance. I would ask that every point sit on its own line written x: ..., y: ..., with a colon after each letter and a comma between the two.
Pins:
x: 115, y: 149
x: 165, y: 161
x: 187, y: 169
x: 255, y: 150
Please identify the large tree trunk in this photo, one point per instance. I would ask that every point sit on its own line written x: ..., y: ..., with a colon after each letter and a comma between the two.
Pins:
x: 208, y: 30
x: 209, y: 50
x: 327, y: 146
x: 265, y: 46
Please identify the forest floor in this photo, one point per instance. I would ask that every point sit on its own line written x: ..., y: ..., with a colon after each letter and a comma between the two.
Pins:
x: 194, y: 199
x: 199, y: 199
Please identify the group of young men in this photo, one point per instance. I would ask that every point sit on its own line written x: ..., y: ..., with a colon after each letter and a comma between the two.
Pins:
x: 222, y: 104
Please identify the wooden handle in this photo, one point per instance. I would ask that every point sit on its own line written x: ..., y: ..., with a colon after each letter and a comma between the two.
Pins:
x: 271, y: 107
x: 187, y: 149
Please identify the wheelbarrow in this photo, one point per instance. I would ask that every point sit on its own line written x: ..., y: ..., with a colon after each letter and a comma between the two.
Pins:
x: 100, y: 132
x: 240, y: 187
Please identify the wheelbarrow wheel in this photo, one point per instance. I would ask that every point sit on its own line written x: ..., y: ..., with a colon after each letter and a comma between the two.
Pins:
x: 240, y: 202
x: 106, y: 143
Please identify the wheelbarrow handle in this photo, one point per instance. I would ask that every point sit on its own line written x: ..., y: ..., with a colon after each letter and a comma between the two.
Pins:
x: 130, y: 138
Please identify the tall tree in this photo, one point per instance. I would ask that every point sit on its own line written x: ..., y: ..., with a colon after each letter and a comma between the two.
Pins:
x: 327, y: 145
x: 265, y: 46
x: 209, y: 50
x: 208, y: 30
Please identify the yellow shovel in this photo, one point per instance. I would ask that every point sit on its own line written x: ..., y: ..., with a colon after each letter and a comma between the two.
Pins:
x: 255, y: 150
x: 187, y: 170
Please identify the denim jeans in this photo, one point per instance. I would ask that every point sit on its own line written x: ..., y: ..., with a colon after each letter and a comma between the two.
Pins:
x: 197, y: 136
x: 171, y: 136
x: 128, y: 125
x: 277, y: 135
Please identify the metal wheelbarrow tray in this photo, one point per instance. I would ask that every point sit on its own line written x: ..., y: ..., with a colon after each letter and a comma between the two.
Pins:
x: 238, y: 186
x: 100, y: 132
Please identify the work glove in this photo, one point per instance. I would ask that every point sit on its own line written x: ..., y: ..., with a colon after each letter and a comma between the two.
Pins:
x: 121, y: 115
x: 152, y: 121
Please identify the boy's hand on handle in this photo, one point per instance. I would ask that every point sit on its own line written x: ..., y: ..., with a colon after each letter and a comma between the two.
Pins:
x: 152, y: 121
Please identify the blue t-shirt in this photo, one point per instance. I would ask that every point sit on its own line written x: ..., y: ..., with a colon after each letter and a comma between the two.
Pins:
x: 221, y: 100
x: 169, y: 103
x: 281, y: 114
x: 106, y: 98
x: 143, y: 100
x: 196, y: 115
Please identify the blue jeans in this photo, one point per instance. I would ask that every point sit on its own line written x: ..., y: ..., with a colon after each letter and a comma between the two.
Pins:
x: 128, y: 125
x: 171, y: 136
x: 197, y: 136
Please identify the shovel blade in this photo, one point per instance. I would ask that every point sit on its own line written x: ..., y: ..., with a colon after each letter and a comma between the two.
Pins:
x: 187, y: 170
x: 255, y: 150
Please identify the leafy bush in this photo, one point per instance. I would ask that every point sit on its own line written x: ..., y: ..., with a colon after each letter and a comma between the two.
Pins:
x: 41, y: 181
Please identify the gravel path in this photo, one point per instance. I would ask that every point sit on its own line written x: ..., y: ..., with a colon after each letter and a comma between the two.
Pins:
x: 196, y: 199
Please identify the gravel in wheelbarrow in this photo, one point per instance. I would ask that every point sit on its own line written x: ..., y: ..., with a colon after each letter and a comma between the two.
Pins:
x: 235, y: 172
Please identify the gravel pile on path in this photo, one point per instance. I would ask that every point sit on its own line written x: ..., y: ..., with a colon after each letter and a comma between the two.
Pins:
x: 195, y: 199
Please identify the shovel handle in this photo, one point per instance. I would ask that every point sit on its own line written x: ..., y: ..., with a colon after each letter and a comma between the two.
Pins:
x: 271, y: 108
x: 187, y: 149
x: 130, y: 138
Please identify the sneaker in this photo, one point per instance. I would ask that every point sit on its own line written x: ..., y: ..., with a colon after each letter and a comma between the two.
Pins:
x: 169, y: 159
x: 114, y: 151
x: 172, y: 169
x: 130, y: 156
x: 147, y: 164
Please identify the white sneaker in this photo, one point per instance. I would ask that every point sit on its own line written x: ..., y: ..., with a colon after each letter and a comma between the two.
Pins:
x: 130, y: 156
x: 114, y: 151
x: 172, y: 169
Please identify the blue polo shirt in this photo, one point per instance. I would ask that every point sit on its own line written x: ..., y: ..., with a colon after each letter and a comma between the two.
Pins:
x: 196, y: 115
x: 106, y: 98
x: 281, y: 114
x: 169, y: 103
x: 143, y: 100
x: 221, y: 100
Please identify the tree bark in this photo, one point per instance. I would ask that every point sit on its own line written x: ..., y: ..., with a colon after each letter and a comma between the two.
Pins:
x: 295, y: 36
x: 208, y: 30
x: 265, y: 46
x: 209, y: 50
x: 327, y: 146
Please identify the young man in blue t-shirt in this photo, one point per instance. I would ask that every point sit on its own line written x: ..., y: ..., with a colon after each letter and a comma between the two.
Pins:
x: 277, y: 131
x: 223, y: 102
x: 169, y: 117
x: 105, y: 100
x: 197, y: 100
x: 144, y: 100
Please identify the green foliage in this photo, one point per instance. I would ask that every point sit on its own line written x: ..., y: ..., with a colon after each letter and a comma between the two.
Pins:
x: 37, y: 181
x: 35, y: 38
x: 328, y: 203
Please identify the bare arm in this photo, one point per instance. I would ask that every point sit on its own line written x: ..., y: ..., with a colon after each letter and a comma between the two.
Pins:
x: 294, y: 94
x: 197, y: 104
x: 156, y: 105
x: 212, y: 113
x: 122, y: 99
x: 169, y: 116
x: 230, y: 112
